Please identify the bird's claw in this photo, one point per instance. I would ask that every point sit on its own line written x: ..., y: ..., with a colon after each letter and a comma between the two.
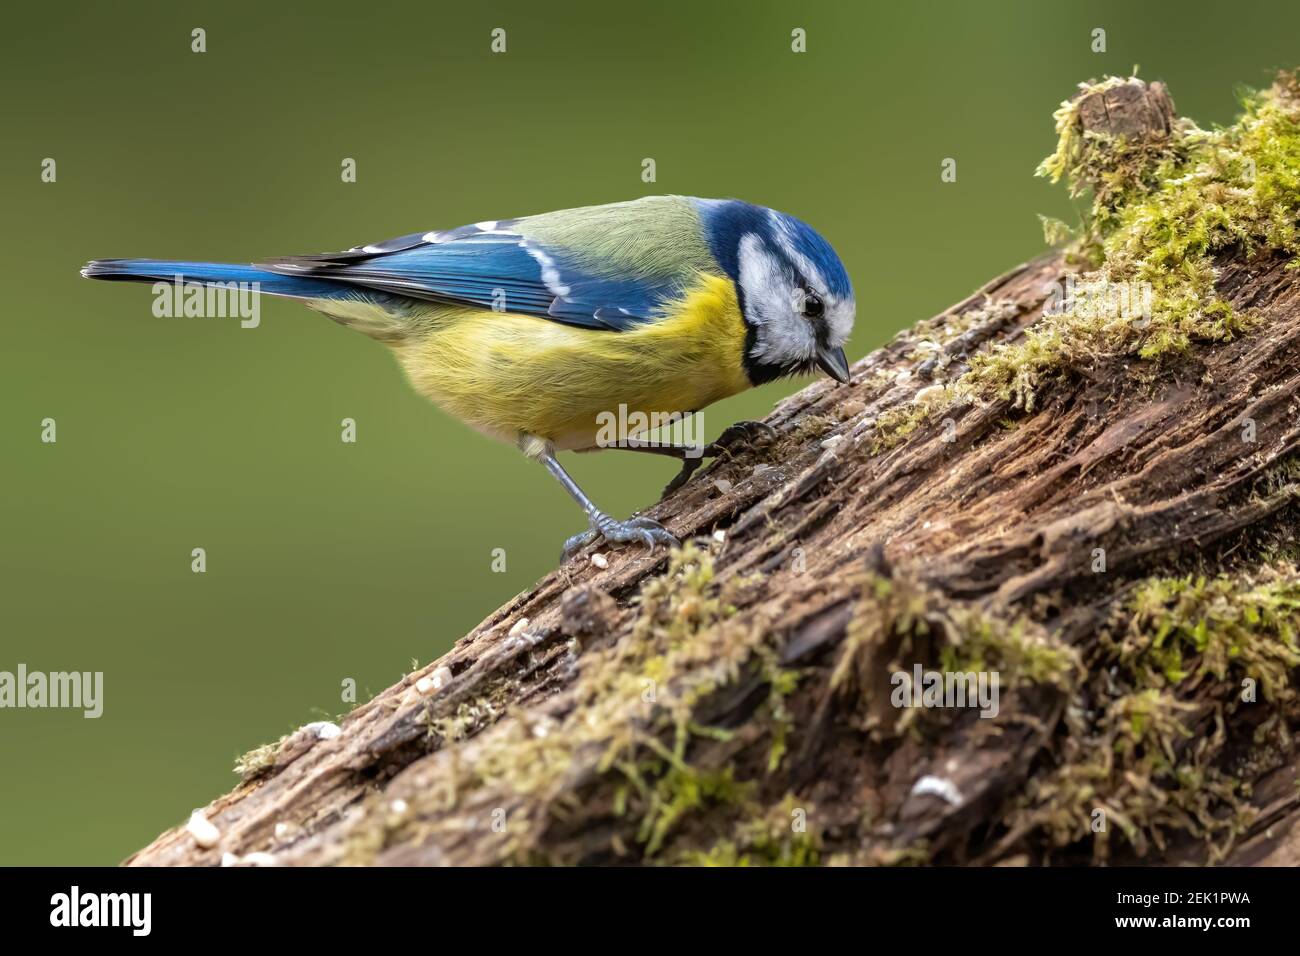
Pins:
x: 741, y: 434
x: 644, y: 530
x: 747, y: 433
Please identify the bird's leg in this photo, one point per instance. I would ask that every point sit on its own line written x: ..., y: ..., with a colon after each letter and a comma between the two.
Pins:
x: 645, y: 530
x: 658, y: 448
x: 692, y: 456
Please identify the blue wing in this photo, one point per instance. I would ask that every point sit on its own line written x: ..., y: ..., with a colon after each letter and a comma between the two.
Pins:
x: 491, y: 266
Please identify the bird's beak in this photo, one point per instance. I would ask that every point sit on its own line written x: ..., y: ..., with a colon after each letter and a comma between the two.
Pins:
x: 834, y: 363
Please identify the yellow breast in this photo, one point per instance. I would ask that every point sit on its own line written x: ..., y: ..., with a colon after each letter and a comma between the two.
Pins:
x: 508, y: 374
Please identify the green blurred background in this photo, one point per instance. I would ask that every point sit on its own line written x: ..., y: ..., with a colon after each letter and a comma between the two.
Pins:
x: 327, y: 560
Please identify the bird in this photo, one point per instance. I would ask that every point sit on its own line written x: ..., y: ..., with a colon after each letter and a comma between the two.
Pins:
x: 534, y: 330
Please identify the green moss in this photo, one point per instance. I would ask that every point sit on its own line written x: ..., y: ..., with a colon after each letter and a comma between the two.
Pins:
x: 779, y: 836
x: 473, y: 715
x: 785, y: 835
x: 895, y: 613
x: 631, y: 738
x: 1138, y: 756
x: 896, y: 424
x: 948, y: 326
x: 1143, y: 290
x: 1183, y: 629
x: 258, y: 760
x: 806, y: 428
x: 1161, y: 211
x: 1021, y: 652
x: 781, y: 683
x: 1133, y: 769
x: 1056, y: 232
x: 682, y: 791
x: 885, y: 611
x: 1137, y: 764
x: 1114, y: 169
x: 918, y: 855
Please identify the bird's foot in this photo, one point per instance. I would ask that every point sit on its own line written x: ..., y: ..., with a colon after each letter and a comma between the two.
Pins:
x: 733, y: 438
x: 643, y: 530
x: 752, y: 433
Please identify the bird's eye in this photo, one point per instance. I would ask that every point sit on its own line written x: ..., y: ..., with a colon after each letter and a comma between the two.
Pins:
x: 813, y: 306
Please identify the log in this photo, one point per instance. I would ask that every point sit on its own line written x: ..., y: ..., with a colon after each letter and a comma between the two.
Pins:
x: 1097, y: 513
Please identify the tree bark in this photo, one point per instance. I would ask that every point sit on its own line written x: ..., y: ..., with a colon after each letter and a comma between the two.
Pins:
x: 645, y: 712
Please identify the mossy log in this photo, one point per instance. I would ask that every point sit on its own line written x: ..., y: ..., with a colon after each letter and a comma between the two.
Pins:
x: 1102, y: 513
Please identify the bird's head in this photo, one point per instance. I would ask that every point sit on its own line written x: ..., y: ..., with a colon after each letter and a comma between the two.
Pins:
x: 795, y: 296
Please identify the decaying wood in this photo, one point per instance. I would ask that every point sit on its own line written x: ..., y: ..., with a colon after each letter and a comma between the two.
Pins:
x: 976, y: 516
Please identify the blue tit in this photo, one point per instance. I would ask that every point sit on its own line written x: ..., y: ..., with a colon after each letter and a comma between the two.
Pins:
x: 535, y: 330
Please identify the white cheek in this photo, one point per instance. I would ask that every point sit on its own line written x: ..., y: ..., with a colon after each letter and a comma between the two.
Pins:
x: 760, y: 277
x: 782, y: 336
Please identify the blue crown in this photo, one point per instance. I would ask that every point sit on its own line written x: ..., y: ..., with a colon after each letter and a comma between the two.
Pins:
x: 727, y: 220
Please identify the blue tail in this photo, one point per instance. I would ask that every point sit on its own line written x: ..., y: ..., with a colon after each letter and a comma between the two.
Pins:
x: 213, y: 273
